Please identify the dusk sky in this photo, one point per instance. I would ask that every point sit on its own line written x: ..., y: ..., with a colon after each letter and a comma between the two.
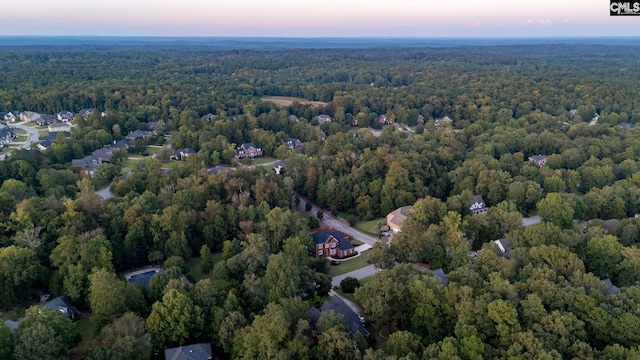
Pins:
x: 305, y: 18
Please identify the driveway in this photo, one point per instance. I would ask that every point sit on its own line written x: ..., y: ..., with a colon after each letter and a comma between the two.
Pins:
x: 338, y: 224
x: 359, y: 274
x: 531, y: 220
x: 34, y: 134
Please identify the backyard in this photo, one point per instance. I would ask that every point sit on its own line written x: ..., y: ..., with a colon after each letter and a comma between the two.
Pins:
x: 370, y: 227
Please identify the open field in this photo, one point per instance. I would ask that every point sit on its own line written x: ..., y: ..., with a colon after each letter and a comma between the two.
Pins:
x: 350, y: 265
x: 288, y: 101
x: 370, y: 227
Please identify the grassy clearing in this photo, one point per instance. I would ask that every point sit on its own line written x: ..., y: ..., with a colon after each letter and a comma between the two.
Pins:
x: 152, y: 150
x: 260, y: 161
x: 350, y: 297
x: 19, y: 131
x: 351, y: 264
x: 370, y: 227
x: 288, y: 101
x: 195, y: 266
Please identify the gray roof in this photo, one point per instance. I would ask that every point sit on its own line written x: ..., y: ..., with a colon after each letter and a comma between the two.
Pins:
x: 626, y: 125
x: 323, y: 236
x: 62, y: 304
x: 440, y: 276
x: 335, y: 303
x: 611, y: 289
x: 58, y: 125
x: 189, y: 352
x: 13, y: 325
x: 538, y: 158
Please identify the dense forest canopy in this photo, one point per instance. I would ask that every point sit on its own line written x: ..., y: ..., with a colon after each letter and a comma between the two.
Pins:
x: 575, y: 104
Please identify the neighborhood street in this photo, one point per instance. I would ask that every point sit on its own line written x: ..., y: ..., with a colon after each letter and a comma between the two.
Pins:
x: 359, y: 274
x: 338, y: 224
x: 33, y: 134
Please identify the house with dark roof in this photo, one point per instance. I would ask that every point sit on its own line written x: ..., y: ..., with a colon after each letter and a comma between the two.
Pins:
x: 440, y: 276
x: 63, y: 305
x: 12, y: 116
x: 626, y: 125
x: 443, y: 120
x: 351, y: 319
x: 200, y: 351
x: 279, y: 166
x: 324, y: 118
x: 7, y: 135
x: 65, y: 116
x: 85, y: 112
x: 610, y: 289
x: 248, y: 150
x: 139, y: 134
x: 504, y: 246
x: 183, y: 154
x: 382, y: 120
x: 420, y: 119
x: 478, y: 205
x: 45, y: 120
x: 397, y: 217
x: 293, y: 143
x: 332, y: 243
x: 540, y: 160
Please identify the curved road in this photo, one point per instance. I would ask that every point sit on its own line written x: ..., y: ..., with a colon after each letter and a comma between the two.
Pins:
x: 33, y: 134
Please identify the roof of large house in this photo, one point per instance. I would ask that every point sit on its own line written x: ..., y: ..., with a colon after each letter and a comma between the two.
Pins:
x: 399, y: 215
x: 62, y: 304
x: 537, y: 158
x: 189, y: 352
x: 248, y: 145
x: 320, y: 237
x: 351, y: 319
x: 440, y: 276
x: 58, y: 125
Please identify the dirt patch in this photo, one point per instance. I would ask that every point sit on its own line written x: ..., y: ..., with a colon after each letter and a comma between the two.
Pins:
x: 288, y: 101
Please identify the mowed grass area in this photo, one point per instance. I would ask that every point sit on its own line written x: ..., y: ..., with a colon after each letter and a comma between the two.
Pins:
x: 350, y: 297
x: 370, y: 227
x: 351, y: 264
x: 288, y: 101
x: 258, y: 161
x: 195, y: 266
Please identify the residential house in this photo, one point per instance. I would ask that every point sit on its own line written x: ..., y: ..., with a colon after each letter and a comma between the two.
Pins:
x: 189, y: 352
x: 85, y: 112
x: 208, y: 117
x: 610, y: 289
x: 151, y: 125
x: 382, y: 120
x: 540, y: 160
x: 293, y: 143
x: 440, y: 276
x: 478, y: 205
x: 45, y: 120
x: 352, y: 320
x: 323, y: 118
x: 219, y: 169
x: 51, y: 138
x: 90, y: 163
x: 62, y: 304
x: 29, y: 116
x: 183, y: 154
x: 139, y: 134
x: 293, y: 118
x: 65, y: 116
x: 420, y: 119
x: 59, y: 127
x: 248, y: 150
x: 279, y: 166
x: 7, y: 136
x: 332, y: 243
x: 121, y: 144
x: 572, y: 113
x: 626, y: 126
x: 12, y: 116
x: 504, y: 246
x: 443, y: 121
x: 354, y: 122
x: 396, y: 218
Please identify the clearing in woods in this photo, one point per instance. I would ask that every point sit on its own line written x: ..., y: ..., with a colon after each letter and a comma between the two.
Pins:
x: 288, y: 101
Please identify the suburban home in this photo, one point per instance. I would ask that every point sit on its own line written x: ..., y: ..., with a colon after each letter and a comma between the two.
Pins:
x: 504, y: 246
x: 90, y: 163
x: 29, y: 116
x: 420, y: 119
x: 331, y: 243
x: 12, y: 116
x: 85, y: 112
x: 151, y: 125
x: 65, y: 116
x: 60, y: 303
x: 45, y: 120
x: 352, y: 320
x: 293, y: 143
x: 189, y: 352
x: 443, y: 120
x: 219, y: 169
x: 323, y: 118
x: 540, y: 160
x: 208, y: 117
x: 440, y: 276
x: 183, y: 154
x: 139, y: 134
x: 249, y: 150
x: 572, y: 113
x: 354, y: 122
x: 51, y: 138
x: 382, y: 120
x: 279, y: 166
x: 121, y: 144
x: 397, y: 217
x: 293, y: 118
x: 478, y: 205
x: 610, y: 289
x: 626, y: 126
x: 59, y: 127
x: 7, y: 136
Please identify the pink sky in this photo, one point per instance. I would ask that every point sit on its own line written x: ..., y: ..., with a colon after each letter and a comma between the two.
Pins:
x: 416, y: 18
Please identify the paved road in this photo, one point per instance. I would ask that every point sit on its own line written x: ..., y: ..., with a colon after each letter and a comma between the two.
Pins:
x: 34, y: 134
x: 338, y: 224
x: 362, y: 273
x: 531, y: 220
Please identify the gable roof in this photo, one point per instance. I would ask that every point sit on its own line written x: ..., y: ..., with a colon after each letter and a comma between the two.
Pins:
x: 200, y: 351
x: 248, y: 145
x: 440, y: 276
x: 611, y: 289
x: 323, y: 236
x: 443, y: 119
x: 399, y: 215
x: 477, y: 203
x: 335, y: 303
x: 62, y: 304
x: 538, y: 158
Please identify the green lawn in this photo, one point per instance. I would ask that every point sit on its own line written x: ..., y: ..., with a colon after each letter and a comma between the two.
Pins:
x: 350, y: 265
x: 370, y: 227
x: 261, y: 160
x: 195, y: 266
x: 152, y: 150
x: 350, y: 296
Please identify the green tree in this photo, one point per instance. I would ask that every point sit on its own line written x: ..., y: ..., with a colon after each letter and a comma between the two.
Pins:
x: 44, y: 334
x: 349, y: 285
x: 6, y: 343
x: 604, y: 255
x: 127, y: 335
x: 106, y: 296
x: 403, y: 343
x: 174, y: 320
x: 555, y: 209
x: 19, y: 269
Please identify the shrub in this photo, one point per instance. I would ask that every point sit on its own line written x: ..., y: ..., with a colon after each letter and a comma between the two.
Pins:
x: 349, y: 285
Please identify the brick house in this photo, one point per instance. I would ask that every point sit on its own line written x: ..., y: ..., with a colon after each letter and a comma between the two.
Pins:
x: 332, y: 243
